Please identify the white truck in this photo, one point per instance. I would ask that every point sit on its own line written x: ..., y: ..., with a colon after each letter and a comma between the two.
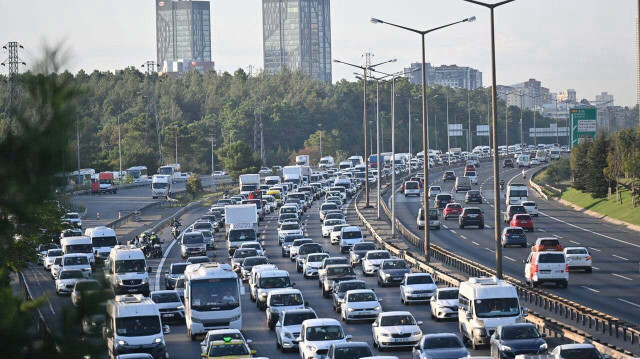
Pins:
x: 249, y: 183
x: 272, y: 180
x: 292, y: 174
x: 306, y: 175
x: 302, y: 160
x: 241, y: 221
x: 161, y: 186
x: 516, y: 193
x: 326, y: 162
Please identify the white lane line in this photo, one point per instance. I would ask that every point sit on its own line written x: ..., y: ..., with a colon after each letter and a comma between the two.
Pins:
x: 445, y: 226
x: 628, y: 302
x: 490, y: 250
x: 574, y: 242
x: 463, y: 237
x: 557, y: 236
x: 509, y: 258
x: 452, y: 231
x: 36, y: 274
x: 623, y: 258
x: 591, y: 289
x: 594, y: 267
x: 590, y: 231
x: 621, y: 276
x: 595, y: 249
x: 488, y: 226
x: 476, y: 243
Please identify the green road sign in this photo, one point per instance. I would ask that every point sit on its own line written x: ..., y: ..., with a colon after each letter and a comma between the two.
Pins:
x: 584, y: 124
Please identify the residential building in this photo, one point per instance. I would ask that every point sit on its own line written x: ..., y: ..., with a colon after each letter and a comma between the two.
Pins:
x: 297, y: 36
x: 532, y: 93
x: 183, y: 31
x: 569, y: 95
x: 605, y: 98
x: 446, y: 75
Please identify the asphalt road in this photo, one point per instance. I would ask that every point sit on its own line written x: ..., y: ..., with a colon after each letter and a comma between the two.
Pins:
x: 612, y: 288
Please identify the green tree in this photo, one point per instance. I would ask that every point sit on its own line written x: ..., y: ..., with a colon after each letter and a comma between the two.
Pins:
x: 580, y: 165
x: 238, y: 158
x: 596, y: 181
x: 194, y: 185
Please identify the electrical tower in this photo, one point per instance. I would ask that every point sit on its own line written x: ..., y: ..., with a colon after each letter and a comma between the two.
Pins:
x: 150, y: 66
x: 13, y: 62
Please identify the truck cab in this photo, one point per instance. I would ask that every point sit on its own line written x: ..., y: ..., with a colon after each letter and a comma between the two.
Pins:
x: 106, y: 184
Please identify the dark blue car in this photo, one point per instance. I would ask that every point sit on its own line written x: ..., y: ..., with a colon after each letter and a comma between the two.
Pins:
x: 516, y: 339
x: 514, y: 236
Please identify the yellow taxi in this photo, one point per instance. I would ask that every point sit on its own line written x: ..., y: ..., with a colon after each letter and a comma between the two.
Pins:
x: 228, y: 348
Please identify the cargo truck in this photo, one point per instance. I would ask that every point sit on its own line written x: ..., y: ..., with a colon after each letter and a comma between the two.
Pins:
x: 293, y: 174
x: 302, y: 160
x: 249, y: 183
x: 161, y: 186
x: 241, y: 222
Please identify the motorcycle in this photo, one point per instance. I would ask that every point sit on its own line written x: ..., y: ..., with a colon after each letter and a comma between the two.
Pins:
x: 501, y: 185
x: 175, y: 232
x: 152, y: 251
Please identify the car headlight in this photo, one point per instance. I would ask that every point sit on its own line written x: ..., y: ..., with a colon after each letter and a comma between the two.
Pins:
x: 417, y: 333
x: 180, y: 307
x: 505, y: 348
x: 158, y: 340
x: 408, y: 289
x: 312, y: 348
x: 377, y: 308
x: 385, y: 335
x: 543, y: 346
x: 145, y: 280
x: 479, y: 331
x: 121, y: 342
x: 350, y: 309
x: 120, y: 282
x: 287, y: 335
x: 263, y: 295
x: 385, y: 275
x: 236, y: 317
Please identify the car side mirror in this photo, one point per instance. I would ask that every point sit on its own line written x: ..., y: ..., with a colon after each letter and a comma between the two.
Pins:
x: 293, y: 284
x: 606, y: 356
x: 306, y: 304
x: 525, y: 312
x: 166, y: 329
x: 419, y: 322
x: 469, y: 316
x: 543, y: 335
x: 107, y: 332
x: 297, y: 340
x: 348, y: 338
x: 380, y: 300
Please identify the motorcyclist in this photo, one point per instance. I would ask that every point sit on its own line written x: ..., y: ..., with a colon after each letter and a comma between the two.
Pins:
x: 524, y: 174
x: 501, y: 183
x: 175, y: 223
x: 154, y: 238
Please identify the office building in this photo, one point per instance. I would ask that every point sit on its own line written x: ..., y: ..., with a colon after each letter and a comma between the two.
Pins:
x: 183, y: 31
x: 569, y: 95
x: 605, y: 99
x: 446, y: 75
x: 297, y: 36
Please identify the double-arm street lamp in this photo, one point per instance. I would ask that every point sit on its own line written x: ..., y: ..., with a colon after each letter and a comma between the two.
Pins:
x: 423, y: 33
x: 364, y: 119
x: 496, y: 174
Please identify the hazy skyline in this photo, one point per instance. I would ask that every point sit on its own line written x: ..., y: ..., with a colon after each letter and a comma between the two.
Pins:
x: 587, y: 45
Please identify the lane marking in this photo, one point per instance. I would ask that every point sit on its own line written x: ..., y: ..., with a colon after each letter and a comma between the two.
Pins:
x: 476, y: 243
x: 628, y: 302
x: 574, y: 242
x: 509, y: 258
x: 463, y: 236
x: 594, y: 267
x: 452, y: 231
x: 542, y: 230
x: 445, y: 226
x: 591, y: 289
x: 623, y: 258
x: 621, y: 276
x: 490, y: 250
x: 595, y: 249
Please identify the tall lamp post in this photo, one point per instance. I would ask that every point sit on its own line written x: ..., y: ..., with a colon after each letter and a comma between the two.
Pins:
x: 423, y: 33
x: 320, y: 127
x: 496, y: 173
x: 364, y: 120
x: 175, y: 127
x: 213, y: 140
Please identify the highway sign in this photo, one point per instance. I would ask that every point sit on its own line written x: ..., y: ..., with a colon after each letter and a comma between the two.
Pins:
x: 584, y: 123
x: 455, y: 130
x: 482, y: 130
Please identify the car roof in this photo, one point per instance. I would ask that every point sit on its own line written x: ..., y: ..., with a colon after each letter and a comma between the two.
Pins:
x: 350, y: 344
x: 355, y: 291
x: 318, y: 322
x: 397, y: 312
x: 576, y: 346
x: 285, y: 291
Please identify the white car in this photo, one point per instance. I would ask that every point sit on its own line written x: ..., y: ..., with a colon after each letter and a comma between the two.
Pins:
x: 417, y: 287
x: 360, y: 304
x: 280, y: 300
x: 67, y: 280
x: 472, y: 175
x: 77, y: 261
x: 328, y: 225
x: 535, y: 162
x: 295, y: 246
x: 531, y: 208
x: 289, y: 325
x: 444, y: 304
x: 56, y: 267
x: 289, y: 228
x: 372, y: 260
x: 434, y: 190
x: 395, y: 329
x: 221, y: 334
x: 317, y: 335
x: 334, y: 236
x: 51, y: 256
x: 312, y: 264
x: 254, y: 245
x: 578, y: 258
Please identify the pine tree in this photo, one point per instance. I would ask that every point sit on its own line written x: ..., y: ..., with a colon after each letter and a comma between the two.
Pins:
x: 596, y: 181
x: 580, y: 165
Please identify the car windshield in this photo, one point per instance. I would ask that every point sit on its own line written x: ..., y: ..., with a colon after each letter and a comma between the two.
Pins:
x: 130, y: 266
x: 54, y: 253
x: 242, y: 235
x: 255, y: 261
x: 275, y: 282
x: 340, y: 271
x: 473, y: 193
x: 328, y: 206
x: 472, y: 211
x: 549, y: 242
x: 344, y: 287
x: 361, y: 297
x: 522, y: 217
x: 71, y: 274
x: 395, y: 320
x: 224, y: 350
x: 411, y: 185
x: 351, y: 235
x: 520, y: 332
x: 529, y: 204
x: 331, y: 261
x: 364, y: 247
x: 327, y: 332
x: 445, y: 197
x: 286, y: 216
x: 178, y: 268
x: 104, y: 241
x: 291, y: 239
x: 442, y: 342
x: 71, y: 216
x: 518, y: 193
x: 419, y: 279
x: 497, y: 307
x: 290, y: 227
x: 316, y: 257
x: 298, y: 318
x: 138, y: 326
x: 334, y: 216
x: 338, y: 228
x: 221, y: 336
x: 378, y: 255
x: 448, y: 294
x: 577, y: 251
x: 352, y: 352
x: 332, y: 222
x: 86, y: 285
x: 192, y: 239
x: 435, y: 189
x: 454, y: 206
x: 394, y: 265
x: 72, y: 261
x: 301, y: 241
x: 202, y: 225
x: 79, y: 248
x: 244, y: 253
x: 168, y: 297
x: 581, y: 353
x: 310, y: 248
x: 214, y: 294
x: 551, y: 258
x: 515, y: 231
x: 281, y: 300
x: 206, y: 233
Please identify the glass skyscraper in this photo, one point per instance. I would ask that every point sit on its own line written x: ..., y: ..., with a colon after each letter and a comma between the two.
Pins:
x: 297, y: 36
x: 183, y: 31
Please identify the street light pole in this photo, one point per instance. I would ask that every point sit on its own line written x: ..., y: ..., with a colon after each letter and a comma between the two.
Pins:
x: 175, y: 127
x: 469, y: 140
x: 496, y: 174
x: 393, y: 157
x: 320, y: 126
x: 425, y: 140
x: 119, y: 150
x: 378, y: 145
x: 410, y: 153
x: 448, y: 138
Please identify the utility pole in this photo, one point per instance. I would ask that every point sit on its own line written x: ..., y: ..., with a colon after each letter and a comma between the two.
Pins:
x: 410, y: 153
x: 262, y: 158
x: 448, y: 139
x: 175, y: 127
x: 78, y: 140
x: 150, y: 66
x: 13, y: 62
x: 119, y: 150
x: 469, y: 141
x: 213, y: 139
x: 320, y: 127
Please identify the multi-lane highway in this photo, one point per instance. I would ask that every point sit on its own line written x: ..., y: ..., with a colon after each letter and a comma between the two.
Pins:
x: 612, y: 288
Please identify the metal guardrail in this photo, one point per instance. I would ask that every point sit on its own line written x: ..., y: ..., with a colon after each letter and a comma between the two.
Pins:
x: 41, y: 325
x: 573, y: 311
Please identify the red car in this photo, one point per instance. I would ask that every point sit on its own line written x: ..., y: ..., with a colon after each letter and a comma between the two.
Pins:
x: 452, y: 210
x: 547, y: 244
x: 523, y: 221
x: 470, y: 168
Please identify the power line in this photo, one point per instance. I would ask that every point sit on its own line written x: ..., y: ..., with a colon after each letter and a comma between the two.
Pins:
x: 150, y: 66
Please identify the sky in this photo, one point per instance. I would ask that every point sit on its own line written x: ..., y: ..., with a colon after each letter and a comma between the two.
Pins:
x: 587, y: 45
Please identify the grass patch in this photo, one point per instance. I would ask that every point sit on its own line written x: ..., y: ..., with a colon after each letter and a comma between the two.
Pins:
x: 609, y: 207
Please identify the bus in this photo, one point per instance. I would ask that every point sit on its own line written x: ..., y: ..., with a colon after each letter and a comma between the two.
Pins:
x: 138, y: 173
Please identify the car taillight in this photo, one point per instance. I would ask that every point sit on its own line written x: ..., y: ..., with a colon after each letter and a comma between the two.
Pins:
x: 566, y: 268
x: 534, y: 268
x: 588, y: 258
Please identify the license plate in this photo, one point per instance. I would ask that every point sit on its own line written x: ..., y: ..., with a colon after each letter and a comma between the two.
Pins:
x: 419, y: 295
x: 396, y: 278
x: 168, y: 315
x: 473, y: 215
x: 131, y: 290
x: 402, y: 340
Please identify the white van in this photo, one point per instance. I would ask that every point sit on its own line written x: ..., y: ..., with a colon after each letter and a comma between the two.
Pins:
x: 126, y: 271
x: 541, y: 267
x: 103, y: 240
x: 524, y: 161
x: 133, y: 324
x: 463, y: 184
x: 78, y: 244
x: 484, y: 304
x: 517, y: 193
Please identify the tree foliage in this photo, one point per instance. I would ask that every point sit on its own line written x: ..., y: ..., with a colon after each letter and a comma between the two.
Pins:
x: 238, y: 158
x: 194, y: 185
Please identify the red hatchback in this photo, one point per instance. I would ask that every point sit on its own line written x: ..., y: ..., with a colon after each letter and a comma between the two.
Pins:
x: 470, y: 168
x: 452, y: 210
x: 547, y: 244
x: 523, y: 221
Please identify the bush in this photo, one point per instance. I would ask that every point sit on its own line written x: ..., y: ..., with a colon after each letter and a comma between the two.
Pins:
x: 194, y: 185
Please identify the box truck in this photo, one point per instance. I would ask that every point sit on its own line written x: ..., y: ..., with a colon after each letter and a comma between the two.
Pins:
x: 302, y: 160
x: 242, y: 225
x: 161, y: 186
x: 249, y: 183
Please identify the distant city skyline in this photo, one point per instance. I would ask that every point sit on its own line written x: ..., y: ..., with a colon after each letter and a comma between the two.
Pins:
x: 586, y: 45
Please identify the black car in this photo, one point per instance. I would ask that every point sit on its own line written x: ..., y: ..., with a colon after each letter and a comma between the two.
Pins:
x: 449, y: 176
x: 471, y: 216
x: 517, y: 339
x: 392, y: 271
x: 443, y: 199
x: 358, y: 250
x: 175, y: 271
x: 473, y: 196
x: 507, y: 162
